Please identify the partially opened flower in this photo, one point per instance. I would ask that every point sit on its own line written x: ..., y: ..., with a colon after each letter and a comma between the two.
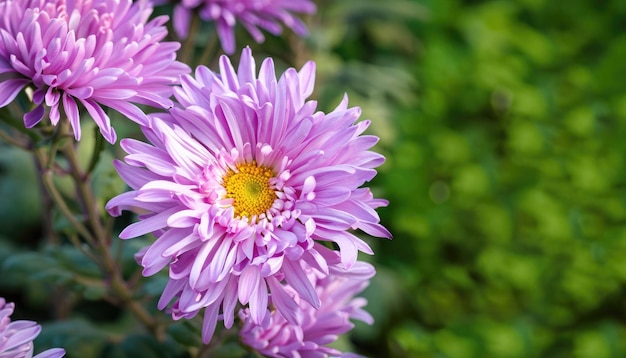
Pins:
x: 86, y: 54
x: 238, y: 183
x: 252, y: 14
x: 16, y: 338
x: 276, y: 337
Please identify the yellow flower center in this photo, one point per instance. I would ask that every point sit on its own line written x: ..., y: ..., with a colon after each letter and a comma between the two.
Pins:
x: 249, y: 187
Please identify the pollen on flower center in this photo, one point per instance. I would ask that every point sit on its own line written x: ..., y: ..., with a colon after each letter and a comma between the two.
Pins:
x: 249, y: 187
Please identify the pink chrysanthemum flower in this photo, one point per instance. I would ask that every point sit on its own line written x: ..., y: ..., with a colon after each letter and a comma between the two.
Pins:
x: 16, y: 338
x: 276, y: 337
x: 86, y: 53
x: 239, y: 181
x: 252, y: 14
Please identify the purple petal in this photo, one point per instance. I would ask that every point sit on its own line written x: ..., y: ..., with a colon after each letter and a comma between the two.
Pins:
x: 33, y: 117
x: 10, y: 88
x: 181, y: 20
x: 172, y: 288
x: 258, y: 302
x: 23, y: 335
x: 209, y: 322
x: 102, y: 120
x: 296, y: 278
x: 51, y: 353
x: 248, y: 282
x: 148, y: 225
x: 287, y: 307
x: 71, y: 111
x: 230, y: 301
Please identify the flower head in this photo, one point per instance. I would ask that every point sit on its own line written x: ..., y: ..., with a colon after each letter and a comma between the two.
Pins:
x: 276, y: 337
x: 86, y: 54
x: 252, y: 14
x: 240, y: 182
x: 16, y: 338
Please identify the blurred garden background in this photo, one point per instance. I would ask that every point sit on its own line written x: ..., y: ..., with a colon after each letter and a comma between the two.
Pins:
x: 504, y: 127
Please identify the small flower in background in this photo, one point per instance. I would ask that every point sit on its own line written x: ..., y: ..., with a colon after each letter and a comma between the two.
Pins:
x: 238, y: 183
x: 16, y: 338
x: 86, y: 54
x: 252, y: 14
x: 276, y: 337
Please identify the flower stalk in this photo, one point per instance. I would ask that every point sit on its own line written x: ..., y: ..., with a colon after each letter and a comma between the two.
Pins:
x: 95, y: 233
x: 102, y: 244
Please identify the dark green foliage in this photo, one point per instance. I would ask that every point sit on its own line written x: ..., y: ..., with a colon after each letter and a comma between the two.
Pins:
x: 505, y: 176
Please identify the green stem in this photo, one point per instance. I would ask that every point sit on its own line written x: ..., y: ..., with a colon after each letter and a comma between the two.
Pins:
x: 48, y: 205
x: 12, y: 115
x: 99, y: 236
x: 121, y: 289
x: 81, y: 247
x: 209, y: 52
x: 16, y: 141
x: 85, y: 194
x: 103, y: 243
x: 57, y: 198
x: 97, y: 150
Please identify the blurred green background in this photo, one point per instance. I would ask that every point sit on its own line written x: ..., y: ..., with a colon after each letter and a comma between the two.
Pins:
x: 504, y: 127
x: 503, y: 124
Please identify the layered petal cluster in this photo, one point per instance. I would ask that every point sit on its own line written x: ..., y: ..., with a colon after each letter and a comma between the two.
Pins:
x: 240, y: 183
x: 85, y: 54
x: 16, y: 338
x: 276, y: 337
x: 252, y: 14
